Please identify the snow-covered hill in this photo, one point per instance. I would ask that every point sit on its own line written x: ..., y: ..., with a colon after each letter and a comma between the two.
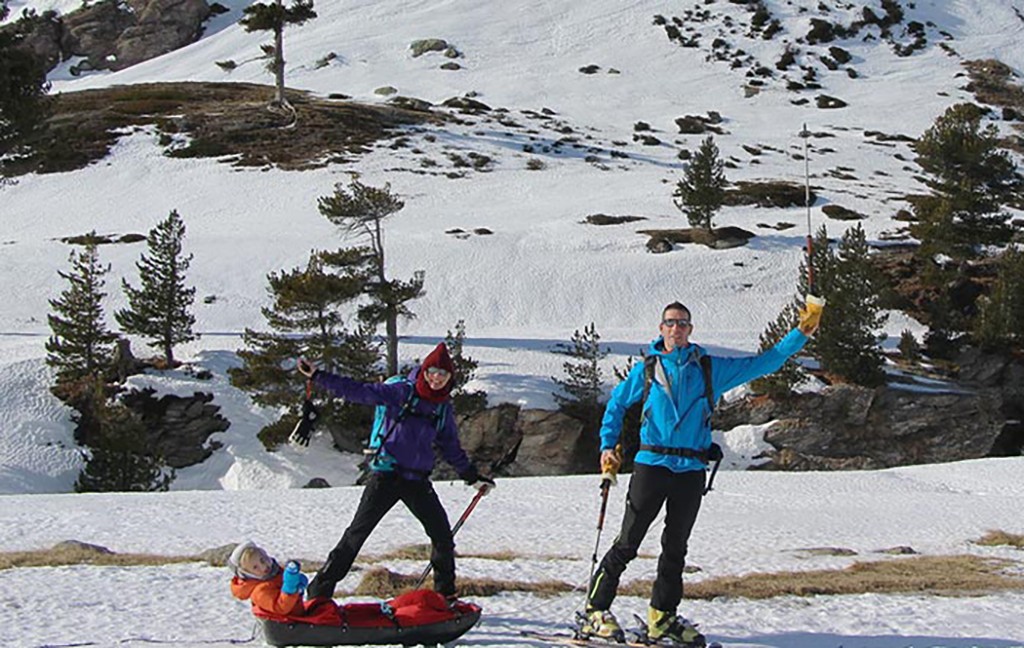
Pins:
x: 538, y: 277
x: 542, y: 273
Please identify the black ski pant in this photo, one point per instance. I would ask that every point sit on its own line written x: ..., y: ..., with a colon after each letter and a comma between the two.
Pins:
x: 383, y: 490
x: 649, y: 488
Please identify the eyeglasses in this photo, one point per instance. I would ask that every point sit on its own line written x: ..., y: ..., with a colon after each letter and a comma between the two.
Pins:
x: 669, y: 323
x: 438, y: 371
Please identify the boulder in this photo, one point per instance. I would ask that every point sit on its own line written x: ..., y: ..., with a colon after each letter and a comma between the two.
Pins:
x: 178, y: 428
x: 853, y: 427
x: 113, y: 35
x: 161, y: 26
x: 553, y: 443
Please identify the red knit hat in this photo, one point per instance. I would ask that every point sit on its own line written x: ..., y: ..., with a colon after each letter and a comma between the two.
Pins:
x: 437, y: 358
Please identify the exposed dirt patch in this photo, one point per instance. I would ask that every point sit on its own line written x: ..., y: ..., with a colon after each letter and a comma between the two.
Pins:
x: 211, y: 120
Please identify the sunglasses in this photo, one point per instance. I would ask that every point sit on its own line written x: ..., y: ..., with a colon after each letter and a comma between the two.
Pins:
x: 675, y: 322
x: 438, y: 371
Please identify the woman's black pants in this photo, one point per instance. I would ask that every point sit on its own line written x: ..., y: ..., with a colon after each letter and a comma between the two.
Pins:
x: 383, y: 490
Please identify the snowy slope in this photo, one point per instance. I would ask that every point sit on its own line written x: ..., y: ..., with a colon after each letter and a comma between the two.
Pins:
x: 542, y: 274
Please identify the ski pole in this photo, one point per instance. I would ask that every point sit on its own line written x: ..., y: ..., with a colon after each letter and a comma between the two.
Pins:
x: 608, y: 479
x: 496, y: 467
x: 605, y: 487
x: 805, y: 134
x: 811, y: 301
x: 455, y: 529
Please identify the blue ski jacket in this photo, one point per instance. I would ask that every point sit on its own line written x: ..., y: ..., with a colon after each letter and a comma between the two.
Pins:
x: 677, y: 414
x: 409, y: 448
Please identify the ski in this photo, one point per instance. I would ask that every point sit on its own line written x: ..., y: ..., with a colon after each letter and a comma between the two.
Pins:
x: 567, y: 639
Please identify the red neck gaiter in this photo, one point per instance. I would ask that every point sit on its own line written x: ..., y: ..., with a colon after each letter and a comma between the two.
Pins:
x: 437, y: 358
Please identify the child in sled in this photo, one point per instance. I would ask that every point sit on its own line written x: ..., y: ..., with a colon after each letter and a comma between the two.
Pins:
x: 274, y: 592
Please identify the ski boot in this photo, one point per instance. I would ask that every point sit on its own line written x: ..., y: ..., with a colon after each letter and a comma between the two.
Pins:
x: 670, y: 629
x: 599, y: 624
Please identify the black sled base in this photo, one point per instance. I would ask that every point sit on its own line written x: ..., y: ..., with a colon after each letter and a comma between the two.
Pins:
x: 277, y: 633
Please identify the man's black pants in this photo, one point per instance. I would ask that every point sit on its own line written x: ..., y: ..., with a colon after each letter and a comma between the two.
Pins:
x: 649, y: 488
x: 384, y: 490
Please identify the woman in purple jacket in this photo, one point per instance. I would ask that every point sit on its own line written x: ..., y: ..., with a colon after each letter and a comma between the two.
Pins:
x: 418, y: 415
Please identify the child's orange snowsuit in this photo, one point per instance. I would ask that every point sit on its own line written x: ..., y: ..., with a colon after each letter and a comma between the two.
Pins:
x: 268, y: 601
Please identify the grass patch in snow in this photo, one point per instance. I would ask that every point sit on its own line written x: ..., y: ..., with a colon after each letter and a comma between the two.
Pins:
x: 219, y: 119
x: 422, y: 552
x: 939, y: 575
x: 997, y: 538
x: 73, y: 553
x: 384, y: 583
x: 942, y: 575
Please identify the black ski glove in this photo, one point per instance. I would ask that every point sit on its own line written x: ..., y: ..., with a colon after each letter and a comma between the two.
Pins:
x: 473, y: 478
x: 304, y: 428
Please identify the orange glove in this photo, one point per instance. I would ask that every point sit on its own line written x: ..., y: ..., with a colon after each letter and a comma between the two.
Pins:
x: 611, y: 461
x: 810, y: 314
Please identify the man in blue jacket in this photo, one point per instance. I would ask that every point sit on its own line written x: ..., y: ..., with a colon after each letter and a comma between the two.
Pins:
x: 670, y: 467
x: 418, y: 416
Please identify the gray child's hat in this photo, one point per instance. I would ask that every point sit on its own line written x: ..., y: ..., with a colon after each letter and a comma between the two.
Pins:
x: 235, y: 559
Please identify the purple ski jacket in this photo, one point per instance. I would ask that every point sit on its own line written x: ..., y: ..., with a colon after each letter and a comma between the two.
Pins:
x: 411, y: 442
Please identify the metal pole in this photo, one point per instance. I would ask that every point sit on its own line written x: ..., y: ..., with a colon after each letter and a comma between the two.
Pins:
x: 605, y: 487
x: 805, y: 134
x: 455, y: 529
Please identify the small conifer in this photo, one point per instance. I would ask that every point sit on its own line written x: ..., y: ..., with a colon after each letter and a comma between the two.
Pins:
x: 159, y: 309
x: 701, y: 191
x: 465, y: 401
x: 581, y: 389
x: 1000, y: 323
x: 847, y: 342
x: 80, y: 345
x: 119, y: 461
x: 306, y: 319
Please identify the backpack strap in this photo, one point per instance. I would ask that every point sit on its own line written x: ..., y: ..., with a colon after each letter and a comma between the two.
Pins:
x: 650, y: 364
x: 408, y: 406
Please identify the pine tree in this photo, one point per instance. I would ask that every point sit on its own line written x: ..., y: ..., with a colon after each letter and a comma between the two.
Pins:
x: 305, y: 319
x: 360, y: 213
x: 120, y: 461
x: 700, y: 193
x: 274, y: 17
x: 466, y: 402
x: 909, y: 347
x: 847, y: 342
x: 970, y: 177
x: 160, y: 309
x: 80, y: 345
x: 24, y: 104
x: 1000, y: 324
x: 581, y: 389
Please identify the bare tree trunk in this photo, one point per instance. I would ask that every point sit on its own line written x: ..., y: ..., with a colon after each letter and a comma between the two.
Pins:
x: 392, y: 330
x: 279, y: 55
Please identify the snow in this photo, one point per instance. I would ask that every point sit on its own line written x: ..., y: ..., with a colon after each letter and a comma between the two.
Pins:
x: 540, y: 276
x: 751, y: 522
